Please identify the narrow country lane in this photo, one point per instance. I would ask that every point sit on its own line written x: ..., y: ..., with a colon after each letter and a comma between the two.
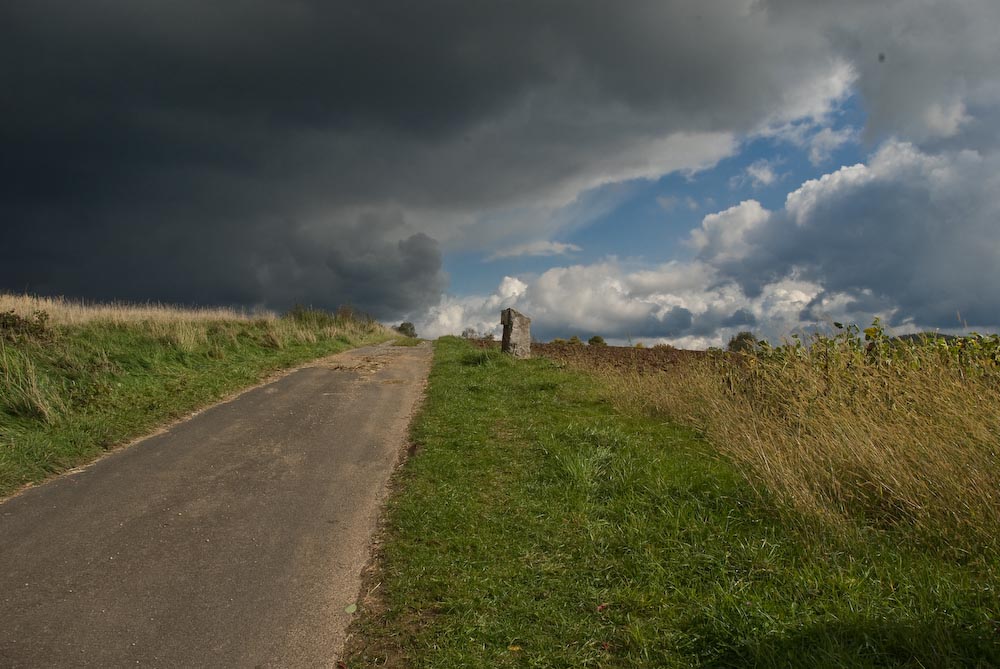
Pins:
x: 234, y: 539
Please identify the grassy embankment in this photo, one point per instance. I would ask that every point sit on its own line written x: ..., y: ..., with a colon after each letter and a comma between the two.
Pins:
x: 76, y: 380
x: 539, y: 525
x: 855, y: 431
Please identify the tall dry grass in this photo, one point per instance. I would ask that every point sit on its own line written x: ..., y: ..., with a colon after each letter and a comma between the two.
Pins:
x: 891, y: 433
x: 31, y: 329
x: 64, y: 311
x: 189, y: 327
x: 22, y: 390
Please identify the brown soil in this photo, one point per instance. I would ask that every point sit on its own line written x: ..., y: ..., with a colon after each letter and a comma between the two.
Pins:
x: 620, y: 358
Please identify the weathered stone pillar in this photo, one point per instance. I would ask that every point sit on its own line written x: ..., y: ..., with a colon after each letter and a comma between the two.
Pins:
x: 516, y: 333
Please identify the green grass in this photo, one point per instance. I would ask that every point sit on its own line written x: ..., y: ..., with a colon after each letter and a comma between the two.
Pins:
x: 535, y: 526
x: 402, y: 340
x: 70, y: 392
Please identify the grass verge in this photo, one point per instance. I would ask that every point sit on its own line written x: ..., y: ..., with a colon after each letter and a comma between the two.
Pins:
x: 75, y: 383
x: 537, y: 526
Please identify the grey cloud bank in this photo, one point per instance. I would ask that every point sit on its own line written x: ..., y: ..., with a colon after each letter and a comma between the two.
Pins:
x: 329, y: 152
x: 914, y: 233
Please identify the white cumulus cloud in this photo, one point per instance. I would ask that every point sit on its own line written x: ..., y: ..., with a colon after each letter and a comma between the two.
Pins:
x: 539, y: 248
x: 909, y: 235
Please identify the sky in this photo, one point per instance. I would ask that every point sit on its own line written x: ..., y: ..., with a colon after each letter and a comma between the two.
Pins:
x: 649, y: 170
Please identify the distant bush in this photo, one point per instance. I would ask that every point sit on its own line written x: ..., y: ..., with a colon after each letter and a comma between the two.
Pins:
x: 406, y: 329
x: 742, y: 342
x: 557, y: 340
x: 597, y: 340
x: 575, y: 341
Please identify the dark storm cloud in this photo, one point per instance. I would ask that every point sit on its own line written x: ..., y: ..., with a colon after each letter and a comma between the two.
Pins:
x: 201, y: 151
x: 921, y: 66
x: 256, y: 151
x: 276, y: 263
x: 680, y: 322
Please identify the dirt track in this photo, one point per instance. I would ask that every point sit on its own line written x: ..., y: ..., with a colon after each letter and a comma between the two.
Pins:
x: 236, y: 538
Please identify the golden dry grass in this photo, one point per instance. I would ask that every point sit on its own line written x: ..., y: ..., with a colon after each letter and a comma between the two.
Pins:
x: 888, y: 434
x: 188, y: 327
x: 22, y: 391
x: 63, y: 311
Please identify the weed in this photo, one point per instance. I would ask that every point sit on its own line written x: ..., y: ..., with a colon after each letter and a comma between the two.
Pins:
x: 22, y: 393
x: 14, y: 326
x: 312, y: 317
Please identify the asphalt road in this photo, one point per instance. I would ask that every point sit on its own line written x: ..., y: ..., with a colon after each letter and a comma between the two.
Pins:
x: 236, y: 538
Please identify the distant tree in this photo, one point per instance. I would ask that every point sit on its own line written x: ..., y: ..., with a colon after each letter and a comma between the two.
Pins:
x: 742, y: 342
x: 575, y: 340
x: 406, y: 329
x: 597, y: 340
x: 470, y: 333
x: 639, y: 344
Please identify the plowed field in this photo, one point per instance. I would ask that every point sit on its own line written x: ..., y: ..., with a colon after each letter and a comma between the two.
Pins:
x: 624, y: 358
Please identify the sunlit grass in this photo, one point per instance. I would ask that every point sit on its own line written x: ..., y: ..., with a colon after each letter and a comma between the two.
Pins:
x: 64, y: 311
x: 539, y: 526
x: 80, y: 379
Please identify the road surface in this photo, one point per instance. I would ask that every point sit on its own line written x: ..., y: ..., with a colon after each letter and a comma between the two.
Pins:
x: 233, y: 539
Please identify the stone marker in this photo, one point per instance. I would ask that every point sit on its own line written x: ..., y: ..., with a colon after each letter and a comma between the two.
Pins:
x: 516, y: 333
